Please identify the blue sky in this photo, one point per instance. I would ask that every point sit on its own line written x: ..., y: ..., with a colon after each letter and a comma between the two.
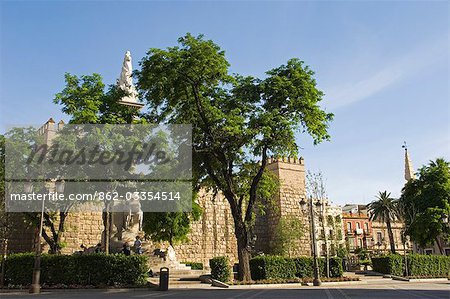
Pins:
x: 384, y: 67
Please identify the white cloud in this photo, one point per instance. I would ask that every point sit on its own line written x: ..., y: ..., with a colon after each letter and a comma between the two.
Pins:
x: 384, y: 76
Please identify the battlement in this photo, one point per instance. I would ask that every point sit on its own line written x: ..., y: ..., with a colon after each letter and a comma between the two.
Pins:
x: 290, y: 160
x: 49, y: 129
x: 50, y: 126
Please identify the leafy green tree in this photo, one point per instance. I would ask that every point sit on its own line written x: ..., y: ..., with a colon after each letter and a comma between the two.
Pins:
x: 425, y: 203
x: 172, y: 227
x: 88, y: 101
x: 23, y: 140
x: 237, y: 121
x: 384, y: 209
x: 289, y: 232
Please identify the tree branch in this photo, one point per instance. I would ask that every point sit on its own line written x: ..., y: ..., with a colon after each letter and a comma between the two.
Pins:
x: 254, y: 186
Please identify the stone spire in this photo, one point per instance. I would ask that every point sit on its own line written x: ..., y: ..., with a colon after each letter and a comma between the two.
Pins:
x: 409, y: 170
x: 125, y: 82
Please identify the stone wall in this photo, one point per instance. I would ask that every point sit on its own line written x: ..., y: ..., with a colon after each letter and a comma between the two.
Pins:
x: 82, y: 228
x: 213, y: 234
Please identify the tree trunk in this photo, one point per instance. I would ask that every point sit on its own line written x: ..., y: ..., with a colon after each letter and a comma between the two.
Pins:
x: 391, y: 236
x: 107, y: 226
x: 243, y: 253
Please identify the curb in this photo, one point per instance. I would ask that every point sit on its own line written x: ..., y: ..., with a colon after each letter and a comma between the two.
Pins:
x: 109, y: 290
x: 399, y: 278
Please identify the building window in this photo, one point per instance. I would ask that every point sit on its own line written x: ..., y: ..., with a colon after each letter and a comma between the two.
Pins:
x: 358, y: 225
x: 351, y: 243
x: 367, y: 226
x: 360, y: 243
x: 447, y: 251
x: 349, y: 226
x: 379, y: 237
x: 428, y: 251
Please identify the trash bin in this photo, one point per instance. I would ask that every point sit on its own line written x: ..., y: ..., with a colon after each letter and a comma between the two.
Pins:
x: 164, y: 279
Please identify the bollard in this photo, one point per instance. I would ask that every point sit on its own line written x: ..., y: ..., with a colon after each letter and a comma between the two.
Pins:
x: 164, y: 279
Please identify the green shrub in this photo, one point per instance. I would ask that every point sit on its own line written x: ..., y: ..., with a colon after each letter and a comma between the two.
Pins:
x: 336, y: 269
x: 428, y: 265
x: 418, y: 265
x: 194, y: 265
x: 273, y: 267
x: 304, y: 266
x: 220, y: 268
x: 388, y: 264
x: 90, y: 269
x: 19, y: 268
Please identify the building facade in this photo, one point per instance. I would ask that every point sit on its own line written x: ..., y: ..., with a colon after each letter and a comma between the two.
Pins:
x: 357, y: 227
x: 371, y: 235
x: 329, y: 228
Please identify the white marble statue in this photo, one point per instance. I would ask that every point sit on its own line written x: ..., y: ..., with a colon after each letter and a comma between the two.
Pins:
x: 125, y: 81
x: 171, y: 255
x: 135, y: 215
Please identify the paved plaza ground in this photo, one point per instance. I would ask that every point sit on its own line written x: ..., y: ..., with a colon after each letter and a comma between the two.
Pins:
x: 379, y: 288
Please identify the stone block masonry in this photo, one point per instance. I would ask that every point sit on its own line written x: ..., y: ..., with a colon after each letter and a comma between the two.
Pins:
x: 291, y: 175
x: 213, y: 234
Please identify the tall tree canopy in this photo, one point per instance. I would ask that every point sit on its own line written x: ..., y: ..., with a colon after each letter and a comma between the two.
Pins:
x: 87, y: 100
x: 237, y: 121
x: 425, y: 203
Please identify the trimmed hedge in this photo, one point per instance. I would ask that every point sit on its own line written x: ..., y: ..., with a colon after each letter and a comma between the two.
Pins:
x: 271, y: 267
x: 428, y: 265
x: 388, y: 264
x: 91, y: 269
x: 220, y: 268
x: 194, y: 265
x: 274, y: 267
x: 418, y: 265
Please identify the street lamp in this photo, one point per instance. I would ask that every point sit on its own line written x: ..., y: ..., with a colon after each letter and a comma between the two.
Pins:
x: 304, y: 206
x: 445, y: 220
x: 35, y: 287
x: 404, y: 251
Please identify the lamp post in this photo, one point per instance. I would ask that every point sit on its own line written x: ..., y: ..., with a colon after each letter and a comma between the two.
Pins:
x: 35, y: 287
x: 303, y: 204
x: 404, y: 252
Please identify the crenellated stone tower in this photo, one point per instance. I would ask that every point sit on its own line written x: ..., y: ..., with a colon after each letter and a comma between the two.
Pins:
x: 291, y: 174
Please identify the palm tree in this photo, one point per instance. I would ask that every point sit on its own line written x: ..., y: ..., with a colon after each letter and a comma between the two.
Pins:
x: 384, y: 209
